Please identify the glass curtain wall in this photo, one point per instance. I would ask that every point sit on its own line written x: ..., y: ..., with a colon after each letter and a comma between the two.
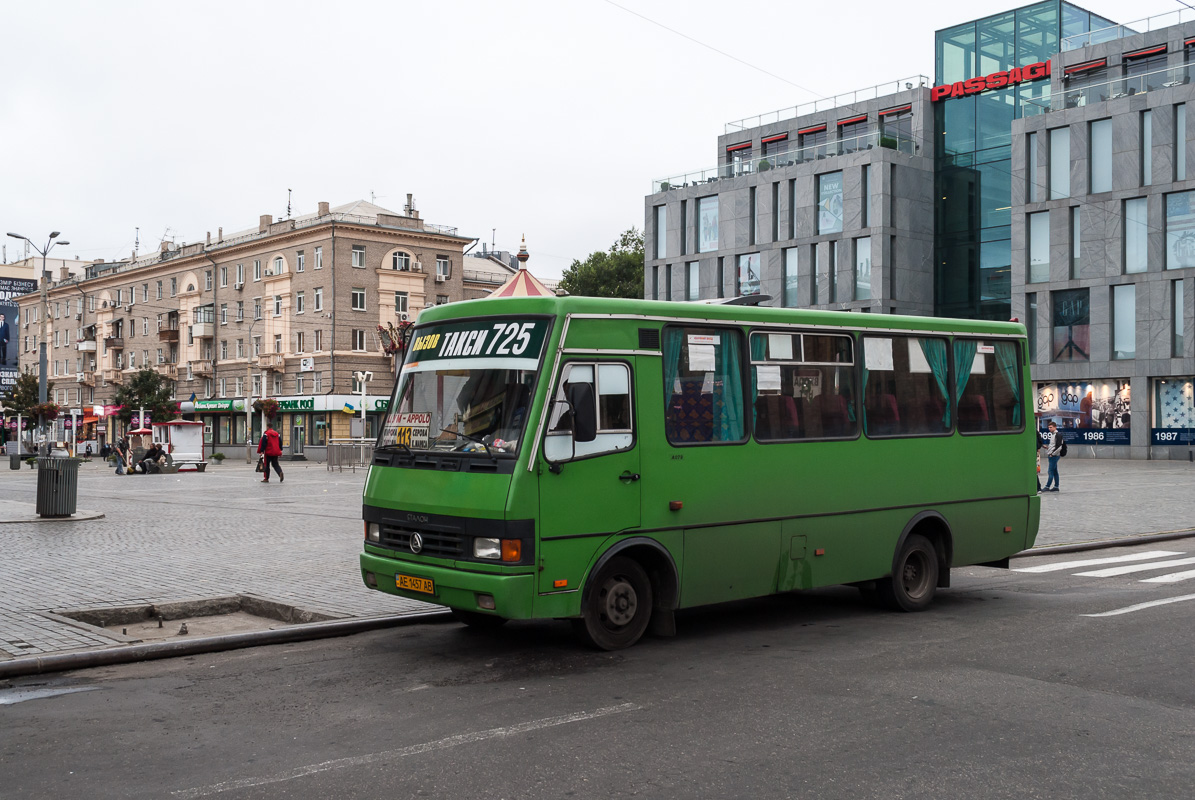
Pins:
x: 973, y: 248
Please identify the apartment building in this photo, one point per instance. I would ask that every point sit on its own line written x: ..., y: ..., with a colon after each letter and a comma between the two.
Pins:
x: 288, y: 310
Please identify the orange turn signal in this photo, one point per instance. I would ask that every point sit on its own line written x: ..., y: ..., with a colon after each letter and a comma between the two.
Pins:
x: 821, y: 551
x: 559, y: 584
x: 512, y: 550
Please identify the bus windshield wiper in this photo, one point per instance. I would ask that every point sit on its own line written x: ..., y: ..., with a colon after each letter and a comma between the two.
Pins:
x: 387, y: 448
x: 476, y: 439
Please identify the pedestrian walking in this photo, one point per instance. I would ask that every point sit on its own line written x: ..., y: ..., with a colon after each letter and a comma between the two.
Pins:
x: 1054, y: 446
x: 270, y: 446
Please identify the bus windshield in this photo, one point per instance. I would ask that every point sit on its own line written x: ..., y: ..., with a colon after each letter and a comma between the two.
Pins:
x: 466, y: 387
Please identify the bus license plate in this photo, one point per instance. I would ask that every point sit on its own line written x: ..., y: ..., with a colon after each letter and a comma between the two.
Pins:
x: 413, y: 584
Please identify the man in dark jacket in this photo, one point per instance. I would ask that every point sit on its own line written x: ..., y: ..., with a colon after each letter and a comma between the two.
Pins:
x: 270, y: 446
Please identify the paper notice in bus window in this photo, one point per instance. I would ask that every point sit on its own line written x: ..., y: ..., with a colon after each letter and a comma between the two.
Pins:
x: 703, y: 338
x: 877, y: 353
x: 780, y: 346
x: 986, y: 348
x: 767, y: 379
x: 917, y: 362
x: 701, y: 357
x: 979, y: 365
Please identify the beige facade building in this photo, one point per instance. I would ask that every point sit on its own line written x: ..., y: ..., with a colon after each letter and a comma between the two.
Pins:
x: 290, y: 309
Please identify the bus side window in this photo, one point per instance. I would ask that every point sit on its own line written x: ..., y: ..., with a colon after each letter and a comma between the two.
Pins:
x: 610, y: 384
x: 905, y: 386
x: 988, y: 386
x: 703, y: 385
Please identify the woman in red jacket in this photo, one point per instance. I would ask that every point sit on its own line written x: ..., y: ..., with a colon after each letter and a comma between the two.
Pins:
x: 271, y: 447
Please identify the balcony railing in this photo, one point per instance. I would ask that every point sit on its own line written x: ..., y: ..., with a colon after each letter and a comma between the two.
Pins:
x: 114, y: 342
x: 272, y: 361
x: 86, y: 378
x: 201, y: 367
x: 788, y: 158
x: 828, y: 103
x: 168, y: 335
x: 1113, y: 32
x: 476, y: 276
x: 1112, y: 89
x: 112, y: 375
x: 203, y: 330
x: 169, y: 371
x: 86, y: 345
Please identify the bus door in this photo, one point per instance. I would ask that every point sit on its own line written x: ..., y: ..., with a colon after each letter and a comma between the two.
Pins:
x: 590, y: 483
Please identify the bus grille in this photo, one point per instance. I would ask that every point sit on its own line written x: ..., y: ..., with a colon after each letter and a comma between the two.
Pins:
x: 441, y: 545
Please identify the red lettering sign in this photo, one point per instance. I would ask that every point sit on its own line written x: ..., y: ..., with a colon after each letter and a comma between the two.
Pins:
x: 997, y: 80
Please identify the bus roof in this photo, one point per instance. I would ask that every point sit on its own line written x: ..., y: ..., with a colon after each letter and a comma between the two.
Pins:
x: 665, y: 310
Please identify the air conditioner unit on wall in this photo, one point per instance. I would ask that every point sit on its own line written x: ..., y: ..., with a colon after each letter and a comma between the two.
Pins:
x: 404, y: 316
x: 419, y: 266
x: 78, y: 316
x: 269, y: 273
x: 441, y: 278
x: 239, y: 285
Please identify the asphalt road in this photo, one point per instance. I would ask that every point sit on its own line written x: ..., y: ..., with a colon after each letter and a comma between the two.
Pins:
x: 1004, y: 689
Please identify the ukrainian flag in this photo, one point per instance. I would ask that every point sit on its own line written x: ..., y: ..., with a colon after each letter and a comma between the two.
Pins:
x: 348, y: 408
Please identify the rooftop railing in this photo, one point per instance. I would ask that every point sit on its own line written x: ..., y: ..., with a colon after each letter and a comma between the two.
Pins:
x: 1112, y: 89
x: 1113, y: 32
x: 788, y: 158
x: 827, y: 103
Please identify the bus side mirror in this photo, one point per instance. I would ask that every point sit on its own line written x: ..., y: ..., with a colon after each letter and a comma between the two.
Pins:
x: 584, y: 408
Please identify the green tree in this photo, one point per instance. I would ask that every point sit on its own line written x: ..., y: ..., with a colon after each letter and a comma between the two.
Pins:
x: 146, y: 389
x: 24, y: 395
x: 615, y: 273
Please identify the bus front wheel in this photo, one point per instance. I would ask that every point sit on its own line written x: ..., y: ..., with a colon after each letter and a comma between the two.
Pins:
x: 617, y: 605
x: 914, y: 576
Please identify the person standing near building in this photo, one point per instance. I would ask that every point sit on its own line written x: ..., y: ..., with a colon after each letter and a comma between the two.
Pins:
x: 1053, y: 453
x: 270, y: 446
x: 4, y: 335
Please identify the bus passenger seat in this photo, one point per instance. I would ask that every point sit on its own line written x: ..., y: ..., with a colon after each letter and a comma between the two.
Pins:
x: 973, y: 413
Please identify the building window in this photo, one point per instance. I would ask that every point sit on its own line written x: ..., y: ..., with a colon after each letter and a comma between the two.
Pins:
x: 1146, y: 148
x: 721, y: 277
x: 400, y: 302
x: 829, y: 203
x: 1100, y: 156
x: 661, y: 231
x: 173, y: 287
x: 1060, y: 163
x: 358, y: 255
x: 277, y: 342
x: 707, y: 225
x: 1071, y: 325
x: 1180, y: 230
x: 319, y: 341
x: 358, y: 339
x: 442, y: 267
x: 693, y: 281
x: 256, y: 346
x: 319, y: 258
x: 299, y: 384
x: 1124, y: 321
x: 319, y: 298
x: 1136, y: 233
x: 832, y: 273
x: 207, y: 281
x: 865, y: 191
x: 240, y: 310
x: 223, y: 277
x: 277, y: 305
x: 1031, y: 325
x: 441, y: 299
x: 223, y: 313
x: 300, y: 261
x: 358, y: 301
x: 813, y: 144
x: 257, y: 270
x: 1076, y: 243
x: 257, y: 308
x: 240, y: 348
x: 790, y: 277
x: 240, y: 273
x: 1039, y: 246
x: 1176, y: 319
x: 279, y: 266
x: 300, y: 302
x: 400, y: 261
x: 299, y: 342
x: 317, y: 382
x: 1180, y: 142
x: 1033, y: 192
x: 655, y: 283
x: 224, y: 387
x: 749, y: 274
x: 863, y: 268
x: 144, y: 296
x: 223, y: 349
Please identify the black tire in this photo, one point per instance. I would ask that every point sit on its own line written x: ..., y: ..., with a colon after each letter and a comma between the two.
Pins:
x: 617, y: 605
x: 477, y: 620
x: 914, y: 576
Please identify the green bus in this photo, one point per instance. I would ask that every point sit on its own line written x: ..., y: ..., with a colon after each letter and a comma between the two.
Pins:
x: 611, y: 461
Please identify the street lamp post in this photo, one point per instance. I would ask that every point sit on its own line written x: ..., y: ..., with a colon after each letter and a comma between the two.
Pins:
x: 44, y: 313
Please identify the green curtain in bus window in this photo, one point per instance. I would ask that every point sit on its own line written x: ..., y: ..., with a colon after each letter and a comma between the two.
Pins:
x: 964, y: 359
x: 672, y: 343
x: 935, y: 353
x: 729, y: 376
x: 1006, y: 360
x: 759, y: 351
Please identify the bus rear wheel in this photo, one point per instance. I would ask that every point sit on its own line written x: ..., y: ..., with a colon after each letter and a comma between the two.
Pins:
x: 617, y: 606
x: 914, y: 576
x: 475, y: 619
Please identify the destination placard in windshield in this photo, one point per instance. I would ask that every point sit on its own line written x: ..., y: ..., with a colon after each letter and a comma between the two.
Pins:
x: 456, y: 342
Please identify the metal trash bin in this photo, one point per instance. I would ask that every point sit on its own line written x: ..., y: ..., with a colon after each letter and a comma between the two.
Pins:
x: 57, y: 486
x: 14, y: 460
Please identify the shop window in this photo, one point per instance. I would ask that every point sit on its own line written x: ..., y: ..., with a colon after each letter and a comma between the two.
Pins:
x: 1180, y: 230
x: 802, y: 386
x: 988, y: 384
x: 703, y: 385
x: 905, y: 382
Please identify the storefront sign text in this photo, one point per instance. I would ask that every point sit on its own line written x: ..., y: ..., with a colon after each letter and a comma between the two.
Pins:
x: 997, y: 80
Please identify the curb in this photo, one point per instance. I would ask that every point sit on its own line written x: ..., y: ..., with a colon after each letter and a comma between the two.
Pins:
x: 210, y: 644
x: 1103, y: 544
x: 78, y: 516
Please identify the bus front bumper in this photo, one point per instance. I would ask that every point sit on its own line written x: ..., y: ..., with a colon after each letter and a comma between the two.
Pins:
x: 513, y: 596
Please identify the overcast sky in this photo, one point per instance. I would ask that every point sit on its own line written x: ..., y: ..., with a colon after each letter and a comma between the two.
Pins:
x: 544, y: 117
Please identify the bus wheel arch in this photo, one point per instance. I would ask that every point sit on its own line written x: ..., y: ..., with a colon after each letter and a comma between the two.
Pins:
x: 920, y: 563
x: 660, y: 570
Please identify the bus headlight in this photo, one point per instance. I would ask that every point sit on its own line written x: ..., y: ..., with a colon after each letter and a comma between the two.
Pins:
x: 487, y: 548
x: 373, y: 532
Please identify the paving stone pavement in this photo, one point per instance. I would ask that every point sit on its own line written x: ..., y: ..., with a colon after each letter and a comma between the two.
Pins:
x: 174, y: 537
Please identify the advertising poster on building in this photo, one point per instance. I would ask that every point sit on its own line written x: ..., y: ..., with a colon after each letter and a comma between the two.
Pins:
x: 1096, y: 412
x: 749, y: 274
x: 707, y: 224
x: 1180, y: 230
x: 1071, y: 338
x: 10, y: 348
x: 1174, y: 412
x: 829, y: 203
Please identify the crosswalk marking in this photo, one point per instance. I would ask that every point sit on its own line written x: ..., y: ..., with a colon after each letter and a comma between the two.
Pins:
x: 1173, y: 577
x: 1139, y: 606
x: 1113, y: 571
x: 1061, y: 565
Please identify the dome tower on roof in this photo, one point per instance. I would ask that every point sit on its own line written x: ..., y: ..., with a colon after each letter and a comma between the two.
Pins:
x: 523, y: 254
x: 522, y: 283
